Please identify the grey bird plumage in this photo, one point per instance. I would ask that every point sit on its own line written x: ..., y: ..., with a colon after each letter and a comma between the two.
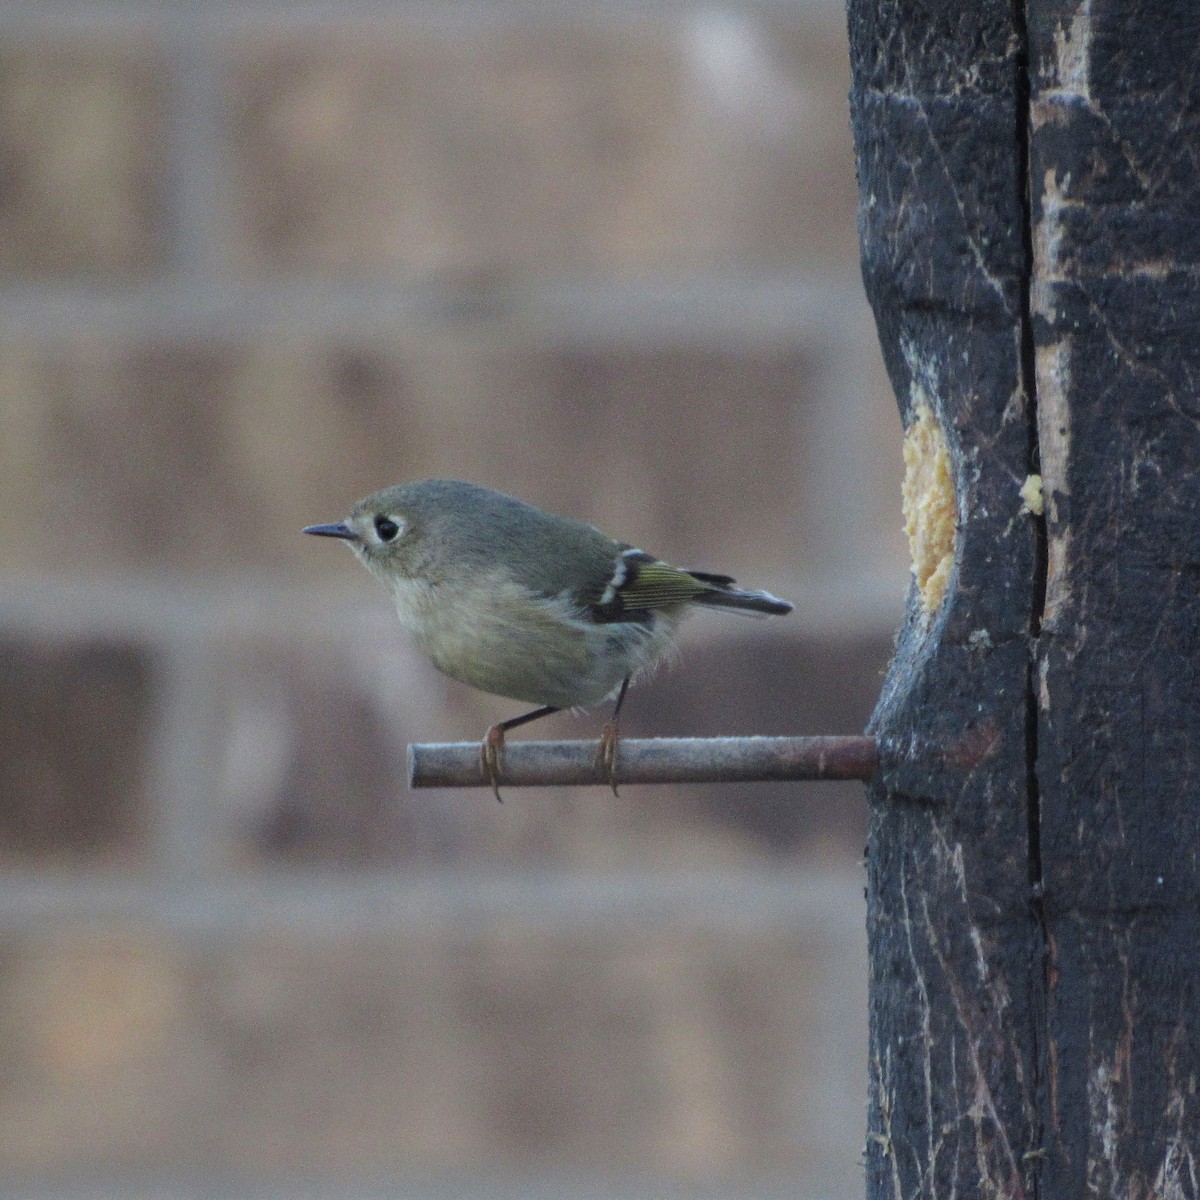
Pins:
x: 521, y: 603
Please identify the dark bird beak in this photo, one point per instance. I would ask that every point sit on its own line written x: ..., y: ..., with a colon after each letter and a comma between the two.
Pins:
x: 337, y: 531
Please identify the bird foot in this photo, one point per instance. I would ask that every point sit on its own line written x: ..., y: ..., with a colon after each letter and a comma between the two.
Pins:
x: 606, y: 753
x: 491, y: 756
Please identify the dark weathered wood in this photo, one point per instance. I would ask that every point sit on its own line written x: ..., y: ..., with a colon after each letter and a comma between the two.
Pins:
x: 1030, y: 179
x: 938, y: 108
x: 1116, y: 209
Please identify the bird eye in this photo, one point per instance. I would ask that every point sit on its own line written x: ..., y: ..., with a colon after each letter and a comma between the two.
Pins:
x: 386, y: 528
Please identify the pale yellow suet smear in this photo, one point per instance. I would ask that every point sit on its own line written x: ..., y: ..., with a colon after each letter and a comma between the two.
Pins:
x: 1032, y: 499
x: 929, y: 506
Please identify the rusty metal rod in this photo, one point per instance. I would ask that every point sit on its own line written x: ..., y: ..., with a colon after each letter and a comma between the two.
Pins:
x: 649, y: 760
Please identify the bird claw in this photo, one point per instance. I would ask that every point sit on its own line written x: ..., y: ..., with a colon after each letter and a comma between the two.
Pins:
x: 606, y: 754
x: 491, y: 756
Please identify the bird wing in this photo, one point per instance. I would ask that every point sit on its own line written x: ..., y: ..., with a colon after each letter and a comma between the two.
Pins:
x: 641, y: 583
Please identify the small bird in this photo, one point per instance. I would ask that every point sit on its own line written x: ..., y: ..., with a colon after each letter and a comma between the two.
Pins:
x: 521, y: 603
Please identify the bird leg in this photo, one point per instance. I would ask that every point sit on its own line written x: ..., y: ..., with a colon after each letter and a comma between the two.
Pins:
x: 491, y: 750
x: 606, y: 752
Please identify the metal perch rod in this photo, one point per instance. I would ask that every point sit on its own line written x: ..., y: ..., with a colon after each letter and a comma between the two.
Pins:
x: 649, y: 760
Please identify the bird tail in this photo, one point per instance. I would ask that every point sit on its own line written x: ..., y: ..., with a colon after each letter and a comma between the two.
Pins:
x: 722, y: 594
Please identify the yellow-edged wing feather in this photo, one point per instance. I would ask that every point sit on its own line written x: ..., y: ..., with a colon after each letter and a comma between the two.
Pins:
x: 653, y: 584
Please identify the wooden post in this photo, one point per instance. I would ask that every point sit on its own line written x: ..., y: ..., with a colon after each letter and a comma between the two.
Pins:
x: 1030, y: 191
x: 1115, y: 169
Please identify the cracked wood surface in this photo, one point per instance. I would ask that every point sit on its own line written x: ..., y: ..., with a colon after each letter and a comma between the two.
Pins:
x: 1029, y: 179
x: 954, y: 941
x: 1115, y: 159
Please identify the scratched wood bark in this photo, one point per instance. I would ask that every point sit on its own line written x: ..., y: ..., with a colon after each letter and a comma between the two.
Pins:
x: 938, y: 111
x: 1115, y: 163
x: 1030, y: 187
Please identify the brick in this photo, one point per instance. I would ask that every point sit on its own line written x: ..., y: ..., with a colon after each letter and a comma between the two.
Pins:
x: 91, y: 1018
x: 182, y: 455
x: 312, y: 751
x: 681, y: 1050
x: 187, y: 455
x: 705, y: 452
x: 76, y: 724
x: 212, y: 456
x: 566, y: 146
x: 82, y: 164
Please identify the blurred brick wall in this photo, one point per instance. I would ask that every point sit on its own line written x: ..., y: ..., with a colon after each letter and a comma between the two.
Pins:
x: 258, y: 260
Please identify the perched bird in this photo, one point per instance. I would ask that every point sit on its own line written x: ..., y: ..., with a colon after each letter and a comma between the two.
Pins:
x: 523, y: 604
